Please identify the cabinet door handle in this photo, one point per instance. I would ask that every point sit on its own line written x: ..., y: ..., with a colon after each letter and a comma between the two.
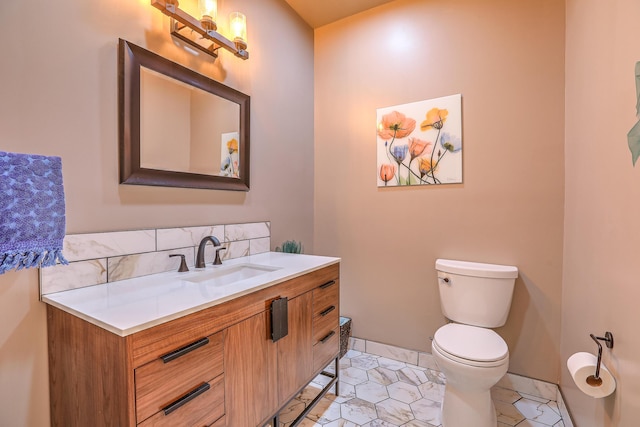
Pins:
x: 184, y: 350
x: 329, y: 335
x: 186, y: 398
x: 327, y: 311
x: 279, y: 318
x: 326, y: 285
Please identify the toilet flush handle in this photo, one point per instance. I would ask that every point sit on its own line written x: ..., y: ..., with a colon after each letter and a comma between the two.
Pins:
x: 446, y: 280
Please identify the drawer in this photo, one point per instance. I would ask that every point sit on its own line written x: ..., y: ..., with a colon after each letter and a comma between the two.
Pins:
x: 325, y: 322
x: 325, y: 296
x: 326, y: 349
x: 163, y: 381
x: 326, y: 309
x: 205, y: 409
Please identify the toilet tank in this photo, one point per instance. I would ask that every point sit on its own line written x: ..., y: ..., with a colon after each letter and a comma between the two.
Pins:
x: 475, y: 293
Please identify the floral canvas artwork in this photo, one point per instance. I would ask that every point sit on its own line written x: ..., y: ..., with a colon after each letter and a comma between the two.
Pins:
x: 229, y: 153
x: 420, y: 143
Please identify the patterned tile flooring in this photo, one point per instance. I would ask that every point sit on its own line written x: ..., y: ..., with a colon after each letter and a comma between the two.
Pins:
x: 379, y: 392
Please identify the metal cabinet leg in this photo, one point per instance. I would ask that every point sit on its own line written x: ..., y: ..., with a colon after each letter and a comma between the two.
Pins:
x: 337, y: 376
x: 315, y: 400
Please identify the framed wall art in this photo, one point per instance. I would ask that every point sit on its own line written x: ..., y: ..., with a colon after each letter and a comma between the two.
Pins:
x: 420, y: 143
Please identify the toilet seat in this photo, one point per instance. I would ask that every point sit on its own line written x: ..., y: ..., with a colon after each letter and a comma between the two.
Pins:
x: 471, y: 345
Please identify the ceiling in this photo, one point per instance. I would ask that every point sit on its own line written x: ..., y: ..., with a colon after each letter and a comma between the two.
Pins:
x: 321, y: 12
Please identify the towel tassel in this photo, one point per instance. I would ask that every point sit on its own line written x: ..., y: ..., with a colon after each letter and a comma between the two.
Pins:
x: 40, y: 258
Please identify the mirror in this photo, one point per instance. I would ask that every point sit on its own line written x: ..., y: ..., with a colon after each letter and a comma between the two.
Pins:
x: 179, y: 128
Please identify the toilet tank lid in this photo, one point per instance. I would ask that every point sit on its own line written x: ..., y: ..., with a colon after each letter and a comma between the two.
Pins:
x: 477, y: 269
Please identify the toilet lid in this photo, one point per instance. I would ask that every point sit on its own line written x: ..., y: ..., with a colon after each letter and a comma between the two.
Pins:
x: 471, y: 342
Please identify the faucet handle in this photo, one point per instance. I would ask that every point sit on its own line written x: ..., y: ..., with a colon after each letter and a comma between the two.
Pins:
x: 183, y: 263
x: 218, y: 261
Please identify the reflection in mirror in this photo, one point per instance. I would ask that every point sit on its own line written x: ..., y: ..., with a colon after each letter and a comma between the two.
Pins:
x: 202, y: 135
x: 179, y: 128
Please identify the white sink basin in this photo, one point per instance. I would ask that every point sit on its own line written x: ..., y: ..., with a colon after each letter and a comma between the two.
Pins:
x: 221, y: 276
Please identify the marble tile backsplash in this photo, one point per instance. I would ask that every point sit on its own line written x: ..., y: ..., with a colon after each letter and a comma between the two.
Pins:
x: 98, y: 258
x: 79, y: 247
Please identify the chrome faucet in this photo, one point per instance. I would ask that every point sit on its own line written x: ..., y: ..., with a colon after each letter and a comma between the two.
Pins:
x: 200, y: 256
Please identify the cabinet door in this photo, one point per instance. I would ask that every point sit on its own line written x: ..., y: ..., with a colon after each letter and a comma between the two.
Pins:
x: 295, y: 351
x: 250, y: 372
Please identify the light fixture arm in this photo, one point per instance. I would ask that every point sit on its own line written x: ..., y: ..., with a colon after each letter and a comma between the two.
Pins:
x: 171, y: 9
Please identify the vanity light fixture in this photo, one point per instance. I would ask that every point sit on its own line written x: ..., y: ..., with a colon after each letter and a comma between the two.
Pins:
x: 183, y: 26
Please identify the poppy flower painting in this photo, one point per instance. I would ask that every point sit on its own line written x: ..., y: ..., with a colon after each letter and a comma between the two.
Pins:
x: 230, y: 155
x: 420, y: 143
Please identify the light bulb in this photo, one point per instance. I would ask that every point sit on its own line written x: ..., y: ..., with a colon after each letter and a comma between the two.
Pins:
x: 238, y: 26
x: 209, y: 13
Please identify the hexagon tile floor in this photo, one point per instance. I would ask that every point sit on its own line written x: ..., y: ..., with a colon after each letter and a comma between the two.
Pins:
x: 379, y: 392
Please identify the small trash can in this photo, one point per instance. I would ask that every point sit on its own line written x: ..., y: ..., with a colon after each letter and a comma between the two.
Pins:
x: 345, y: 334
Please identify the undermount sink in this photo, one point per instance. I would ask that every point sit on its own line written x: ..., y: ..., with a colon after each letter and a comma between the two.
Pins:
x: 221, y: 276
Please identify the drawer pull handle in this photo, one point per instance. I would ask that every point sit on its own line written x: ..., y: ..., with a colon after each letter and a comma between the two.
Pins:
x: 184, y: 350
x: 329, y: 335
x: 327, y: 311
x: 326, y: 285
x: 186, y: 398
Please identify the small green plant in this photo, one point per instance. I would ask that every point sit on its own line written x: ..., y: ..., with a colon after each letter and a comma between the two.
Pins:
x: 290, y: 246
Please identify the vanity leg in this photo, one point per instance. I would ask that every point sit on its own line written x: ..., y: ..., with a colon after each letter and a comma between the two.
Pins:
x: 337, y: 367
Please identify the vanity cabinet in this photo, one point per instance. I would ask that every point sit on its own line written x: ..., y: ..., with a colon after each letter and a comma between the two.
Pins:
x: 216, y: 367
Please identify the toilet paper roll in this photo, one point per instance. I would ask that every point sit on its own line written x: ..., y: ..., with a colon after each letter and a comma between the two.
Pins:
x: 583, y: 365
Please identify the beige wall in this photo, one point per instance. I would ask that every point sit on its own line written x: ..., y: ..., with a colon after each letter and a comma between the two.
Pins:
x: 602, y: 231
x: 58, y: 96
x: 506, y: 58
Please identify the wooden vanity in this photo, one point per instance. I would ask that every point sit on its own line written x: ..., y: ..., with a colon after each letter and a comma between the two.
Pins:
x: 218, y: 366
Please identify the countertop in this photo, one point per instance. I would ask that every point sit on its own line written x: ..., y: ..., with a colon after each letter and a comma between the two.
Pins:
x: 128, y: 306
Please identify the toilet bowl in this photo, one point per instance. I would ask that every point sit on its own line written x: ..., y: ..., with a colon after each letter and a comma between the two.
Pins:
x: 473, y: 358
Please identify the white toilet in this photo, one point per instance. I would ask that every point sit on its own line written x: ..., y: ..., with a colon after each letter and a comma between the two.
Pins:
x: 472, y: 357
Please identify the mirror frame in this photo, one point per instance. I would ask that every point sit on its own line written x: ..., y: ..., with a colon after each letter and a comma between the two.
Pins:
x: 130, y: 59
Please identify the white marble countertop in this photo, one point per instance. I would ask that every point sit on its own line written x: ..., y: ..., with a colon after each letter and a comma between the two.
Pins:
x: 128, y: 306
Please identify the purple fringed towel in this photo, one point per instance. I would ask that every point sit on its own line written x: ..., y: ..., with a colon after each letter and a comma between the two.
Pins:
x: 32, y: 221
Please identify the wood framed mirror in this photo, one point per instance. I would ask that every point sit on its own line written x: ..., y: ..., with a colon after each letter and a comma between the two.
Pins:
x: 178, y: 128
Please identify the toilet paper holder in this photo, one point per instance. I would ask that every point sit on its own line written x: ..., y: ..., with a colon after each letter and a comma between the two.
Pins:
x: 595, y: 380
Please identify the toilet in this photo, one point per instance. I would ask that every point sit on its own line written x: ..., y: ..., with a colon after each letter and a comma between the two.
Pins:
x: 473, y: 358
